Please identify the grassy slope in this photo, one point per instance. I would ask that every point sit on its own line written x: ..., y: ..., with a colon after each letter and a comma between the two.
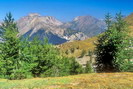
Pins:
x: 78, y: 46
x: 129, y: 19
x: 83, y: 81
x: 131, y: 32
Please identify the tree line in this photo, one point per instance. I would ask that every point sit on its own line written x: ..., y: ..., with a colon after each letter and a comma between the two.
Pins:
x: 20, y: 58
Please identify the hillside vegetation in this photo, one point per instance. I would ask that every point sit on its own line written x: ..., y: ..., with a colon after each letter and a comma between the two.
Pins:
x: 75, y: 48
x: 83, y: 81
x: 129, y: 19
x: 131, y: 32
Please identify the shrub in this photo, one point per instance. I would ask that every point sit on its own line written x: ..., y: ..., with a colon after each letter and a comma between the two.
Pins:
x: 82, y: 53
x: 88, y: 67
x: 72, y: 50
x: 75, y: 67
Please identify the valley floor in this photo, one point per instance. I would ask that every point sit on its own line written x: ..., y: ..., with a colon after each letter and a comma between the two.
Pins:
x: 83, y: 81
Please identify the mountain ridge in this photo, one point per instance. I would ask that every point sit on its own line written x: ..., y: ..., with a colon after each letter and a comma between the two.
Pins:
x: 32, y: 25
x: 87, y: 24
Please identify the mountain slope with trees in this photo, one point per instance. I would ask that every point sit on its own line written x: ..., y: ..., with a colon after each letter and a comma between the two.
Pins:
x: 20, y: 58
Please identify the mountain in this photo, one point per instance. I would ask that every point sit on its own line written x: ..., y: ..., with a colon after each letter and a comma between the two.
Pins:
x: 37, y: 22
x: 86, y: 24
x: 41, y: 26
x: 46, y: 26
x: 57, y: 32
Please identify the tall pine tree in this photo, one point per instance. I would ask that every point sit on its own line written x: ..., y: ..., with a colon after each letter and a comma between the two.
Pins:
x: 111, y: 47
x: 10, y: 47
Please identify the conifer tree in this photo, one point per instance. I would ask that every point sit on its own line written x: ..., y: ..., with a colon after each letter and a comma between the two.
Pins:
x: 112, y: 45
x: 10, y: 47
x: 75, y: 67
x: 88, y: 67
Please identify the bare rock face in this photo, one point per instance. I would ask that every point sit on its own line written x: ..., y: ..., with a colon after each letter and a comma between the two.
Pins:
x: 36, y: 22
x: 41, y: 26
x: 86, y: 24
x: 77, y: 36
x: 34, y: 14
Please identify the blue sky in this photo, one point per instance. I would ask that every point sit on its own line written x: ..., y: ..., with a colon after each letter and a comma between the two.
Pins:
x: 65, y: 10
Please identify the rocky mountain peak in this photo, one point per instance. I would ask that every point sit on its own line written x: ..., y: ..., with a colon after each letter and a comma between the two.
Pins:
x: 34, y: 23
x: 82, y: 18
x: 52, y: 20
x: 34, y: 15
x: 88, y: 25
x: 85, y: 19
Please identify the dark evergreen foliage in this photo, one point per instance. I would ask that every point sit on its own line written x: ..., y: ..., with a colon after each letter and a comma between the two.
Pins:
x: 112, y: 45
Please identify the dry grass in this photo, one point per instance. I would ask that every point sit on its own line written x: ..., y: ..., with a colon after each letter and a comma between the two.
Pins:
x: 131, y: 31
x: 83, y: 81
x: 102, y: 81
x: 78, y: 47
x: 129, y: 19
